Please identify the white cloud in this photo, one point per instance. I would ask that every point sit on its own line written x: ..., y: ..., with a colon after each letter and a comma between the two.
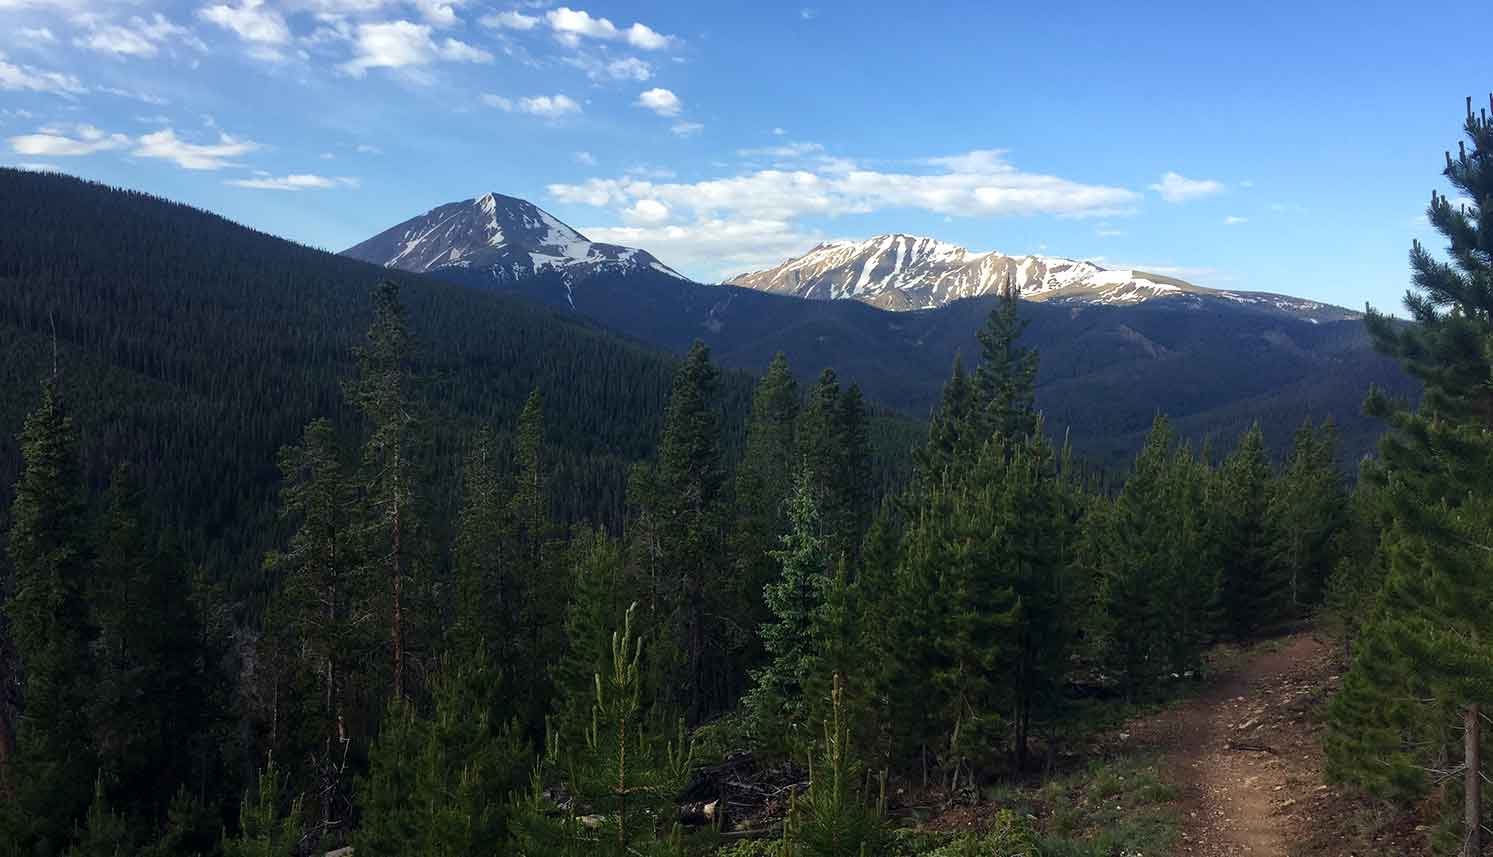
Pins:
x: 366, y: 149
x: 713, y: 249
x: 402, y: 44
x: 661, y: 101
x: 547, y: 106
x: 250, y: 19
x: 165, y: 145
x: 778, y: 132
x: 572, y: 25
x: 38, y: 34
x: 437, y: 13
x: 25, y: 78
x: 66, y: 142
x: 1233, y: 220
x: 136, y: 38
x: 1178, y: 188
x: 1108, y: 232
x: 585, y: 159
x: 686, y: 129
x: 510, y: 20
x: 36, y: 167
x: 647, y: 212
x: 294, y: 182
x: 808, y: 14
x: 997, y: 188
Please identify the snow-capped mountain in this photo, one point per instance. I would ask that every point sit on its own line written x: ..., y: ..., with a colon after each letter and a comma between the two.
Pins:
x: 907, y: 272
x: 505, y: 238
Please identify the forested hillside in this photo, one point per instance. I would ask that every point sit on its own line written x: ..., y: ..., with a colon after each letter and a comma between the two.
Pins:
x: 194, y: 348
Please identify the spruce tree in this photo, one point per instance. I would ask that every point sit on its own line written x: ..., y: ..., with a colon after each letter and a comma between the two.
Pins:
x: 484, y: 592
x: 105, y: 833
x: 1308, y: 511
x: 950, y: 429
x: 1252, y: 594
x: 539, y: 580
x: 1418, y: 690
x: 1006, y: 378
x: 318, y: 636
x: 778, y: 699
x: 383, y: 392
x: 690, y: 479
x: 599, y: 593
x: 49, y: 623
x: 763, y: 479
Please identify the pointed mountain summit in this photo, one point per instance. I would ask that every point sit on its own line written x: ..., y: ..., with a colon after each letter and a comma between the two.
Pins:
x: 503, y: 237
x: 909, y: 272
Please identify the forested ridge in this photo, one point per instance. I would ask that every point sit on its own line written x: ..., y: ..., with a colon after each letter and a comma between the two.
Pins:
x: 509, y: 677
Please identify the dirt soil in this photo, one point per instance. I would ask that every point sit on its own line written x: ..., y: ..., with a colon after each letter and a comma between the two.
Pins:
x: 1247, y: 756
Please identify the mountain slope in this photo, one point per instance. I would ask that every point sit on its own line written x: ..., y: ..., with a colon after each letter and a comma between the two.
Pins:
x: 1214, y: 363
x: 905, y: 272
x: 503, y: 238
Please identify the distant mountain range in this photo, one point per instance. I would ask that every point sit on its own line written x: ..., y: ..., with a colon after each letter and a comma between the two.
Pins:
x: 1117, y: 346
x: 907, y: 272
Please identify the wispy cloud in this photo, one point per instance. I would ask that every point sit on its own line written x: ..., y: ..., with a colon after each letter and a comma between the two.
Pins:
x: 251, y: 20
x: 686, y: 129
x: 67, y: 141
x: 294, y: 182
x: 26, y: 78
x: 546, y: 106
x: 1234, y: 220
x: 138, y: 37
x: 1175, y: 187
x: 165, y: 145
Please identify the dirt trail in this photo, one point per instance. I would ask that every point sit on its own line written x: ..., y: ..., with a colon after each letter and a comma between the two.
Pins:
x: 1246, y: 752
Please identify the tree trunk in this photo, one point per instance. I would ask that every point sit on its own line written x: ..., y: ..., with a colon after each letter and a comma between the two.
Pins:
x: 1472, y: 782
x: 398, y: 585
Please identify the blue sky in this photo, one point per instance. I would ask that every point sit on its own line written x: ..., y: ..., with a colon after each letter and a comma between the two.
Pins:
x: 1268, y: 146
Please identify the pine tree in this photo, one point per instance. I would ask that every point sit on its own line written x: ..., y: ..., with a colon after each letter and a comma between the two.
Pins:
x: 437, y: 786
x: 763, y: 479
x: 318, y: 636
x: 690, y: 478
x: 1251, y: 591
x: 540, y: 584
x: 1418, y: 688
x: 383, y: 392
x: 840, y: 815
x: 153, y: 694
x: 600, y: 593
x: 624, y: 778
x: 1006, y: 378
x: 267, y: 826
x: 950, y: 429
x: 104, y: 833
x: 49, y: 623
x: 484, y: 592
x: 1307, y: 513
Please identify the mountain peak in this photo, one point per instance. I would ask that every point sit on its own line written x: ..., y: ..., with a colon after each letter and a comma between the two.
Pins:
x: 897, y: 271
x: 506, y: 237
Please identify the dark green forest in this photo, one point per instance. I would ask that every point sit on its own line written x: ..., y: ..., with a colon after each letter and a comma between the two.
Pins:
x: 395, y: 565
